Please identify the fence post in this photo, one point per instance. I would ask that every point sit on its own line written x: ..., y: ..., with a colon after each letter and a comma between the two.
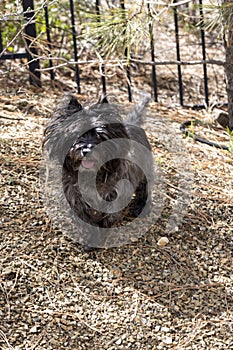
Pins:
x: 46, y: 11
x: 204, y: 55
x: 30, y: 31
x: 102, y: 67
x: 152, y: 52
x: 72, y: 10
x: 178, y: 53
x: 127, y: 53
x: 1, y: 47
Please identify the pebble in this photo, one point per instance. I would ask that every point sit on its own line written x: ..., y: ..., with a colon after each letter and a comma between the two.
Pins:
x: 33, y: 329
x: 165, y: 329
x: 163, y: 241
x: 167, y: 340
x: 118, y: 341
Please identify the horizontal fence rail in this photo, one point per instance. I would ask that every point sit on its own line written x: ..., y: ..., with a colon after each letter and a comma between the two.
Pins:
x: 33, y: 19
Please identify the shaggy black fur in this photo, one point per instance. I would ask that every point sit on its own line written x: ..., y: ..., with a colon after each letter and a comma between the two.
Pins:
x: 72, y: 137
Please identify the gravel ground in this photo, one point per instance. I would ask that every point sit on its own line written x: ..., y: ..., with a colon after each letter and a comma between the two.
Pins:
x: 55, y: 295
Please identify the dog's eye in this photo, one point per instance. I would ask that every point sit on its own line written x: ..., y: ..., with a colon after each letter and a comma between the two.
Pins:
x: 101, y: 132
x: 75, y: 146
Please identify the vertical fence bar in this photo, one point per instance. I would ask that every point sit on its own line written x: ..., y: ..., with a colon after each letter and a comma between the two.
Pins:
x: 30, y: 31
x: 152, y: 49
x: 1, y: 46
x: 75, y: 45
x: 178, y: 54
x: 204, y: 55
x: 52, y: 75
x: 128, y: 74
x: 102, y: 68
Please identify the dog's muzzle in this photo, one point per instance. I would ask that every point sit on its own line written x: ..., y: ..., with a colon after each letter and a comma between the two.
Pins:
x: 87, y: 162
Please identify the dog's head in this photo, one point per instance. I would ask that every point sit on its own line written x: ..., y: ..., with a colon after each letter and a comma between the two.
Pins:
x: 83, y: 154
x: 75, y: 132
x: 80, y: 155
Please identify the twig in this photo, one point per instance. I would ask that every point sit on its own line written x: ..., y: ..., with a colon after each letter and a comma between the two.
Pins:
x: 3, y: 336
x: 22, y: 29
x: 124, y: 62
x: 189, y: 287
x: 4, y: 117
x: 179, y: 63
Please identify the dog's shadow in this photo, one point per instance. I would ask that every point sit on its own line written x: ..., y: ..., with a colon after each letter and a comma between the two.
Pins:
x: 164, y: 275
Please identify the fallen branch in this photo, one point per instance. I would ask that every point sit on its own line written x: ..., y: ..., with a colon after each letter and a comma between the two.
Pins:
x: 189, y: 287
x: 9, y: 118
x: 121, y: 62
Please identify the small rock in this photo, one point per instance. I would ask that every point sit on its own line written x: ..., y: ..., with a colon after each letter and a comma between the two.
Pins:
x: 33, y: 329
x: 163, y: 241
x: 118, y: 341
x: 167, y: 340
x: 165, y: 329
x: 143, y: 320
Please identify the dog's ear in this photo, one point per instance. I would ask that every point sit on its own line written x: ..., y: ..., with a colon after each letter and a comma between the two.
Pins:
x: 73, y: 104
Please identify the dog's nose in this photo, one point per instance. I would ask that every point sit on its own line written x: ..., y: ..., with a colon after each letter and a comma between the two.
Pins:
x: 85, y: 151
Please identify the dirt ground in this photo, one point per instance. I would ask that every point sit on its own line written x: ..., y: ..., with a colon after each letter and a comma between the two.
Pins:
x: 55, y: 295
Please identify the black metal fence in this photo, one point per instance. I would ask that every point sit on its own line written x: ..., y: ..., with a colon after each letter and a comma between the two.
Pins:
x: 34, y: 58
x: 30, y: 33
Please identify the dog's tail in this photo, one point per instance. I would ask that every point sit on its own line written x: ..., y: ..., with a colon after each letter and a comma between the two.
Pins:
x: 136, y: 116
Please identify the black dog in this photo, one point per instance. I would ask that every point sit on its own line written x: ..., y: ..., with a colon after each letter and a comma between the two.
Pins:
x: 107, y: 163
